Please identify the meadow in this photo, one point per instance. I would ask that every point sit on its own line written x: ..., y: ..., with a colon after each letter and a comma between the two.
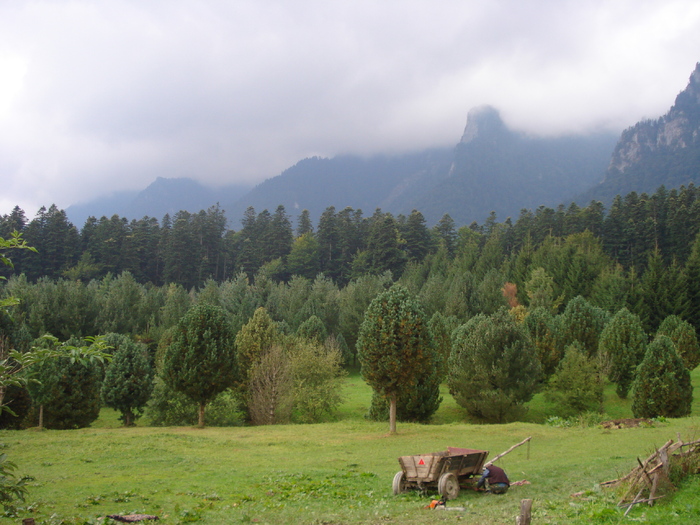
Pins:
x: 338, y: 472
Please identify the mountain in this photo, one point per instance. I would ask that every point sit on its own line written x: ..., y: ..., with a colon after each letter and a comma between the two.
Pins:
x: 500, y: 170
x: 381, y: 181
x: 492, y: 168
x: 160, y: 197
x: 658, y: 152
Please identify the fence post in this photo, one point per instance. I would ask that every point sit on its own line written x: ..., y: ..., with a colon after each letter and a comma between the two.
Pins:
x: 525, y: 509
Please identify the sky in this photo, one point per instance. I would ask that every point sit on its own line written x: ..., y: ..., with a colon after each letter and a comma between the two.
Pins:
x: 99, y: 97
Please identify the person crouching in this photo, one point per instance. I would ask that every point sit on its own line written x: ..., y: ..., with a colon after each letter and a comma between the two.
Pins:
x: 498, y: 482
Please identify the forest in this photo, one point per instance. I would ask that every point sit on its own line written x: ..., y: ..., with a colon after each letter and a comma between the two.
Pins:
x: 555, y: 287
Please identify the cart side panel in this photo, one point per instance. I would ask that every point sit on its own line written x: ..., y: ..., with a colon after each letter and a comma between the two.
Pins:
x: 423, y: 468
x: 467, y: 465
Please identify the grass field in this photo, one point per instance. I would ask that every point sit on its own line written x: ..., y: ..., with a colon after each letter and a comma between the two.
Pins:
x: 335, y: 473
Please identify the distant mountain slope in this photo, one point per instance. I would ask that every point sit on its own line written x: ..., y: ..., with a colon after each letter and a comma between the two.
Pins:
x: 496, y: 169
x: 160, y: 197
x: 491, y: 169
x: 348, y: 180
x: 658, y: 152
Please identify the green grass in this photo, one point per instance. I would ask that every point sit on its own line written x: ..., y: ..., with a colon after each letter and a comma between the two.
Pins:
x: 332, y: 473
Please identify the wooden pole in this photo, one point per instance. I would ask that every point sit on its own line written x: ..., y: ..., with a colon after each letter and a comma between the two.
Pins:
x: 525, y: 512
x: 507, y: 451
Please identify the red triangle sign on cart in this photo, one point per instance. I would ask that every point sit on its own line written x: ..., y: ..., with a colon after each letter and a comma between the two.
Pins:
x: 421, y: 462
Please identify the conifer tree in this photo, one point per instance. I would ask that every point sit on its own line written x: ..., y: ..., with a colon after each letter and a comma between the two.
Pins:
x: 581, y: 322
x: 201, y: 359
x: 255, y: 339
x: 575, y: 386
x: 624, y: 343
x: 684, y: 339
x: 128, y: 381
x: 395, y: 346
x: 662, y: 385
x: 493, y: 368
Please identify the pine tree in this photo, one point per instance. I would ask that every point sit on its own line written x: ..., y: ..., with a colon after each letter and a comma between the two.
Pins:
x: 493, y: 368
x: 575, y: 386
x: 624, y: 343
x: 662, y: 385
x: 128, y: 381
x: 395, y: 346
x: 304, y: 225
x: 684, y: 339
x: 201, y: 359
x: 255, y: 339
x: 581, y: 322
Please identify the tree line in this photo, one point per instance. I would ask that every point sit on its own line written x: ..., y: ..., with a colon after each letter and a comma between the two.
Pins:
x: 191, y: 248
x: 561, y: 277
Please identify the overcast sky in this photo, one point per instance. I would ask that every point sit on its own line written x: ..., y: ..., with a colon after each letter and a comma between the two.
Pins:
x: 102, y: 96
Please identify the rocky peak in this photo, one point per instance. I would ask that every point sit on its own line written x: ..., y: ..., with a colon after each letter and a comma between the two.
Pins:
x: 483, y: 122
x: 678, y: 129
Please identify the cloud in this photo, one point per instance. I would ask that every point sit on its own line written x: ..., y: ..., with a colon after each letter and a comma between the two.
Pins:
x: 105, y: 96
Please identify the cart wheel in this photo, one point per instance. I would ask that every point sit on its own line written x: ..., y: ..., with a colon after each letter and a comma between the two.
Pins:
x: 399, y: 485
x: 448, y: 486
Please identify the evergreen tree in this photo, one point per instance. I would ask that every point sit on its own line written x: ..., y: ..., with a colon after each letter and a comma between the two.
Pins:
x: 684, y: 339
x: 662, y: 384
x: 417, y: 236
x: 624, y: 343
x: 445, y: 232
x: 67, y: 393
x: 304, y: 225
x: 493, y: 368
x: 201, y: 359
x: 313, y: 330
x: 395, y: 346
x: 575, y: 387
x: 128, y: 381
x: 383, y: 247
x: 542, y: 327
x: 581, y: 322
x: 303, y: 259
x: 255, y: 339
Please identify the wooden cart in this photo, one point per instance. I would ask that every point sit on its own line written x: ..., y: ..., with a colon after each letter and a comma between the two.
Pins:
x: 445, y: 470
